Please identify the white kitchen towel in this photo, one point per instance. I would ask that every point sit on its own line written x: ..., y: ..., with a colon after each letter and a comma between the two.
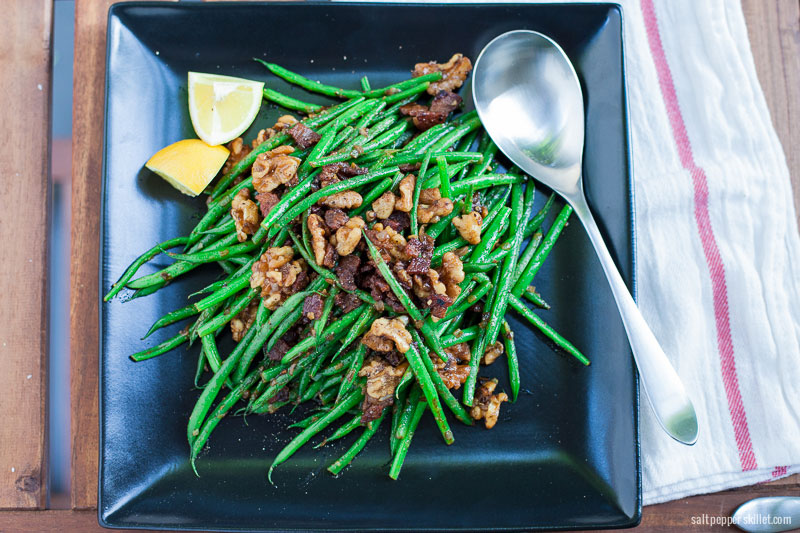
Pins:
x: 717, y: 246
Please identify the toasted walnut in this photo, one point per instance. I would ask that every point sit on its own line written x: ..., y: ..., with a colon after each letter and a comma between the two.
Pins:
x: 386, y: 239
x: 452, y: 274
x: 487, y: 405
x: 429, y: 196
x: 493, y: 352
x: 384, y: 205
x: 243, y: 320
x: 245, y: 215
x: 283, y: 122
x: 323, y: 251
x: 274, y: 168
x: 406, y: 187
x: 453, y: 375
x: 431, y: 213
x: 460, y: 351
x: 454, y: 72
x: 238, y: 151
x: 469, y: 226
x: 382, y: 378
x: 384, y: 332
x: 349, y: 235
x: 262, y: 136
x: 276, y: 274
x: 342, y: 200
x: 436, y: 284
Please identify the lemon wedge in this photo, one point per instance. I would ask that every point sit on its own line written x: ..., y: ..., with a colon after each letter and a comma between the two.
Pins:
x: 188, y: 165
x: 222, y: 107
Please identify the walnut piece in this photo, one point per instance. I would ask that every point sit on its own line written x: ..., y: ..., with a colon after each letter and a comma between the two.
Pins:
x: 349, y: 235
x: 342, y: 200
x: 276, y: 274
x: 469, y: 226
x: 452, y: 274
x: 323, y: 251
x: 454, y: 72
x: 493, y: 352
x: 487, y: 405
x: 243, y: 320
x: 238, y: 151
x: 406, y: 187
x: 431, y: 213
x: 244, y: 212
x: 382, y: 378
x: 384, y: 205
x: 453, y: 375
x: 274, y: 168
x: 384, y: 332
x: 386, y: 239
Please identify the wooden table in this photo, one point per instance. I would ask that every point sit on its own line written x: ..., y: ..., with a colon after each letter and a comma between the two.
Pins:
x: 26, y: 51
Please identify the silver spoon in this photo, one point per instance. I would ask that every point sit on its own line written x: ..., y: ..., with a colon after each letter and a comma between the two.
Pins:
x: 529, y: 99
x: 768, y: 515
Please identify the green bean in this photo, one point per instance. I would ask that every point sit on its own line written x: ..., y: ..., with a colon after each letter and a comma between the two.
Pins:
x: 287, y: 200
x: 205, y: 316
x: 227, y: 315
x: 285, y: 326
x: 412, y: 82
x: 465, y: 335
x: 296, y: 443
x: 444, y: 180
x: 451, y: 157
x: 373, y: 195
x: 352, y: 372
x: 291, y: 103
x: 402, y: 450
x: 416, y: 89
x: 527, y: 275
x: 397, y: 412
x: 492, y: 234
x: 468, y: 302
x: 535, y: 223
x: 428, y: 136
x: 311, y: 199
x: 365, y: 85
x: 216, y: 255
x: 545, y: 328
x: 405, y: 418
x: 470, y: 268
x: 214, y: 385
x: 527, y: 255
x: 447, y: 397
x: 357, y: 446
x: 513, y: 360
x: 451, y: 138
x: 429, y: 389
x: 162, y: 348
x: 363, y: 322
x: 212, y: 354
x: 198, y: 373
x: 305, y: 83
x: 343, y: 430
x: 139, y: 261
x: 435, y: 229
x: 484, y: 181
x: 386, y: 138
x: 322, y: 320
x: 534, y: 297
x: 397, y: 289
x: 219, y: 413
x: 417, y: 189
x: 303, y: 424
x: 171, y: 318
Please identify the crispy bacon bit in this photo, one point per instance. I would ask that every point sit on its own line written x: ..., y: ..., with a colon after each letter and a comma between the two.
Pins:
x: 398, y: 221
x: 384, y: 332
x: 409, y: 167
x: 277, y: 352
x: 425, y: 117
x: 304, y: 136
x: 454, y: 72
x: 346, y: 301
x: 312, y: 306
x: 274, y: 168
x: 244, y: 212
x: 487, y: 405
x: 421, y: 253
x: 439, y: 304
x: 243, y: 320
x: 266, y: 201
x: 346, y: 271
x: 335, y: 218
x: 382, y: 380
x: 336, y: 172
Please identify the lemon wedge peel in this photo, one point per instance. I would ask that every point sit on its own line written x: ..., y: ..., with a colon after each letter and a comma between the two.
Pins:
x: 188, y: 165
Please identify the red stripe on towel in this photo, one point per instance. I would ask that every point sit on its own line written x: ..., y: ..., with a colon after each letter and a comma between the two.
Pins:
x: 710, y: 248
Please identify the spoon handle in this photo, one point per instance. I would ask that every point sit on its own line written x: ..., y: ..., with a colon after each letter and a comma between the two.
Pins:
x: 672, y: 406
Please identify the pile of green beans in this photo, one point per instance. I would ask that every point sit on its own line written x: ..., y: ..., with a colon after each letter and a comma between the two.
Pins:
x: 323, y: 366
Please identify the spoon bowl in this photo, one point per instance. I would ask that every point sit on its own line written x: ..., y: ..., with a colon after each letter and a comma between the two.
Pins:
x: 529, y: 99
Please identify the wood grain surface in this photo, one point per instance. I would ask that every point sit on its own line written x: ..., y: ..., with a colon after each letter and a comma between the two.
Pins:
x: 87, y: 160
x: 25, y: 65
x: 775, y: 41
x: 774, y: 30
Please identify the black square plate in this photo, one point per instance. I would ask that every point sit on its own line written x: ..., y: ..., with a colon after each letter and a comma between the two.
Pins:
x: 566, y: 455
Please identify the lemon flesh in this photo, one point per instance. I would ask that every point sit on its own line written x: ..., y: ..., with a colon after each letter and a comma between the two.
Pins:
x: 188, y: 165
x: 222, y: 107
